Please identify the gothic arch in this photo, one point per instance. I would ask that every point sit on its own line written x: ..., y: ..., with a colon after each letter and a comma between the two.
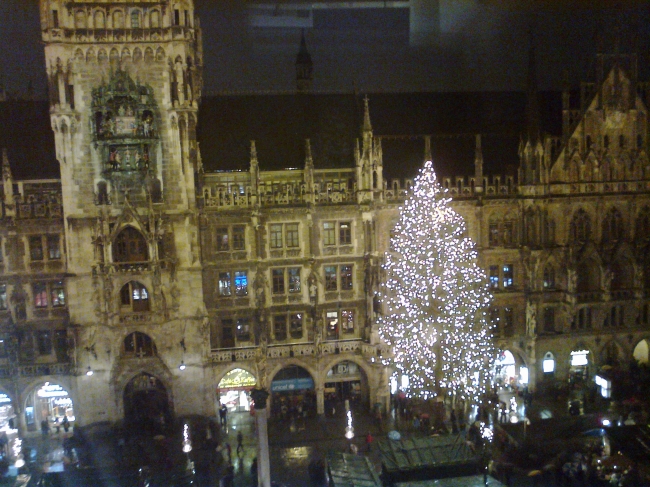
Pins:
x: 130, y: 245
x: 338, y: 359
x: 148, y: 55
x: 118, y: 18
x: 102, y: 57
x: 642, y: 226
x: 613, y: 227
x: 137, y: 55
x: 79, y: 55
x: 138, y: 343
x: 125, y: 371
x: 160, y: 54
x: 622, y: 269
x: 99, y: 20
x: 90, y: 56
x: 612, y: 353
x: 221, y: 375
x: 114, y: 56
x: 126, y: 54
x: 154, y: 19
x: 294, y: 361
x: 589, y: 274
x: 580, y: 227
x: 80, y: 19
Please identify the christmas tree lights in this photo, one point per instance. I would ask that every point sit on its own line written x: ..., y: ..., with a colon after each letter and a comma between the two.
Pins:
x: 436, y: 298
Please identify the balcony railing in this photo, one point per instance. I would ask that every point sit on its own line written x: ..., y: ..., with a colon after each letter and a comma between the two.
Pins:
x: 35, y: 370
x: 303, y: 350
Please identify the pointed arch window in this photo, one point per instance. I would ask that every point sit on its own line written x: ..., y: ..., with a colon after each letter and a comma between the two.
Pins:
x: 134, y: 297
x: 622, y: 275
x: 130, y: 246
x: 580, y: 227
x: 549, y: 277
x: 140, y: 345
x: 642, y: 231
x: 135, y: 19
x: 613, y: 226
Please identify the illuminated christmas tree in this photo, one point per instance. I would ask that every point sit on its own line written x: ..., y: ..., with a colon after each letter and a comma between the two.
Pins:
x: 436, y: 298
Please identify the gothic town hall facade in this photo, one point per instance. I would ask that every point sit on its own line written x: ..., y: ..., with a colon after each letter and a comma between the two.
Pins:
x: 146, y: 282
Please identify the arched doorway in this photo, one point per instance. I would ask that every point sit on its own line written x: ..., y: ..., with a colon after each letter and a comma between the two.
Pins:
x: 50, y: 403
x: 146, y: 405
x: 292, y: 393
x: 347, y: 381
x: 641, y: 352
x: 233, y: 390
x: 505, y: 370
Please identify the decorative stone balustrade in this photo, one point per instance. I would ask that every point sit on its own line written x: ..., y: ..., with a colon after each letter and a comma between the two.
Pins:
x: 303, y: 350
x: 35, y: 370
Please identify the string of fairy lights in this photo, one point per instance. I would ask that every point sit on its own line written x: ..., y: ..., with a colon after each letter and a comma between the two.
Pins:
x: 437, y: 298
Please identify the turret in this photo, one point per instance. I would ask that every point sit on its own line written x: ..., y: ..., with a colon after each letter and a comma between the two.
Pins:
x: 478, y: 166
x: 309, y: 173
x: 8, y: 185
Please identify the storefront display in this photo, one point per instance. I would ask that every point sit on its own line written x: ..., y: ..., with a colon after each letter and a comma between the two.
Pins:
x: 234, y: 390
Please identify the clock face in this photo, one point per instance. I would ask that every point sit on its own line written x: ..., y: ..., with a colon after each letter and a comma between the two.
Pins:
x: 614, y: 119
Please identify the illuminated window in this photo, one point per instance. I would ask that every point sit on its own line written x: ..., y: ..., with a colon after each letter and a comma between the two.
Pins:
x: 40, y: 295
x: 494, y: 277
x: 294, y: 279
x: 332, y: 325
x: 579, y: 358
x: 57, y: 294
x: 241, y: 283
x: 53, y: 247
x: 346, y: 277
x: 295, y: 325
x: 548, y: 364
x: 347, y: 321
x: 3, y: 296
x: 134, y: 297
x: 224, y: 284
x: 331, y: 283
x: 549, y: 277
x: 243, y: 329
x: 223, y: 243
x: 138, y: 344
x: 507, y: 276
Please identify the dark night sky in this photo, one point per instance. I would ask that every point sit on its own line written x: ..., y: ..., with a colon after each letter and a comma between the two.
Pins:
x: 482, y: 45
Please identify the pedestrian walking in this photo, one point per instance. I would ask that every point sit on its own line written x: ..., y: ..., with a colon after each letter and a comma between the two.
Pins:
x: 66, y: 424
x: 240, y: 443
x: 369, y: 440
x: 223, y: 415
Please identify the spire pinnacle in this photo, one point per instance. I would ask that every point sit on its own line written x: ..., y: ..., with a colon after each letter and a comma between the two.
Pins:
x: 366, y: 115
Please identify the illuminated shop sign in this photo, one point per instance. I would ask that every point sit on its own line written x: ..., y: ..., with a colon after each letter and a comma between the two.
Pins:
x: 292, y: 384
x: 51, y: 390
x: 237, y: 378
x: 4, y: 398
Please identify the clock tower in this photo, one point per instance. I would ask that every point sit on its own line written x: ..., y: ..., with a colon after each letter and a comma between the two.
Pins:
x: 124, y: 84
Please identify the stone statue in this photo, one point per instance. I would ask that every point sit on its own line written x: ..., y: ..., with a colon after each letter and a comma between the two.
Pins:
x: 531, y: 318
x: 318, y: 338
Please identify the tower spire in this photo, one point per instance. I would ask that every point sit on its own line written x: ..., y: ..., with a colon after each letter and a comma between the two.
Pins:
x: 304, y: 67
x: 367, y: 127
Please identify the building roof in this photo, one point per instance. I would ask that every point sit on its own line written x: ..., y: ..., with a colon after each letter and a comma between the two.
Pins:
x: 279, y: 123
x: 346, y: 470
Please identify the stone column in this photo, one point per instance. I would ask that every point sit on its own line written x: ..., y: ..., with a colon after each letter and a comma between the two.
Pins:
x: 320, y: 400
x: 263, y: 465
